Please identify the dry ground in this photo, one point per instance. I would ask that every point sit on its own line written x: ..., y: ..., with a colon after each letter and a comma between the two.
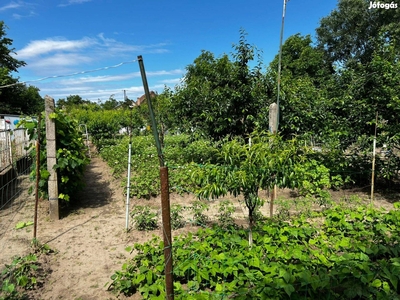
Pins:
x: 89, y: 241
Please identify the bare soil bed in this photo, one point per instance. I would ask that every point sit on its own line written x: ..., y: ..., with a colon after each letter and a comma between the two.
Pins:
x: 90, y: 241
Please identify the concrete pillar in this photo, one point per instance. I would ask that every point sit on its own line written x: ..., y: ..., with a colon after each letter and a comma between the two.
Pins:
x: 51, y: 158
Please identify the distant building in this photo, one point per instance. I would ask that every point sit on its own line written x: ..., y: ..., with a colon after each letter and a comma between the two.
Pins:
x: 142, y: 98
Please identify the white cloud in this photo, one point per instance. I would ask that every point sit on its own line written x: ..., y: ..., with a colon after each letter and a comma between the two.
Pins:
x: 25, y: 9
x: 39, y: 47
x: 89, y: 93
x: 163, y: 72
x: 61, y: 60
x: 72, y: 2
x: 65, y: 65
x: 11, y: 5
x: 121, y: 77
x: 172, y: 81
x: 99, y: 48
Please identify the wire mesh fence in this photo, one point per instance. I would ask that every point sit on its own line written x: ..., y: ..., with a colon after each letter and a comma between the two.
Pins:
x: 15, y: 165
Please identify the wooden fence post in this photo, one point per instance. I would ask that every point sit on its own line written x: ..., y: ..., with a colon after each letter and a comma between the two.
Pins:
x: 51, y: 158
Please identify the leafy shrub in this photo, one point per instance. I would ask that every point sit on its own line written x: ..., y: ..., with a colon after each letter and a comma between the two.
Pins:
x: 104, y: 125
x: 198, y: 208
x: 145, y: 177
x: 144, y: 218
x: 24, y: 273
x: 225, y: 211
x: 352, y: 255
x: 71, y: 155
x: 177, y: 219
x: 283, y: 208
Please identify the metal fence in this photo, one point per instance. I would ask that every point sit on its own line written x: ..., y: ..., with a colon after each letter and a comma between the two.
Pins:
x: 15, y: 163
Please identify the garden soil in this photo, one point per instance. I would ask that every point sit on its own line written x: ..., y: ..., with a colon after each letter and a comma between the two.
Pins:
x: 89, y: 241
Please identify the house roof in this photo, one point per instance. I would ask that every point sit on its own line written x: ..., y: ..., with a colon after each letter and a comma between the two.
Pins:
x: 142, y: 98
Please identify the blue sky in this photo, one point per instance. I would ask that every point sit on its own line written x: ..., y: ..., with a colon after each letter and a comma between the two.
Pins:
x: 63, y: 37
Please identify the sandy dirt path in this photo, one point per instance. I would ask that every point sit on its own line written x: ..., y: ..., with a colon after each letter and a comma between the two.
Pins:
x: 89, y: 241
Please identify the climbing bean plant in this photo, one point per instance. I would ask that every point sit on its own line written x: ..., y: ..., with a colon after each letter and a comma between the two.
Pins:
x: 71, y: 154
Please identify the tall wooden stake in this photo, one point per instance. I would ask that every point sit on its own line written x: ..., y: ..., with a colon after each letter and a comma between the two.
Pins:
x: 165, y: 204
x: 373, y: 161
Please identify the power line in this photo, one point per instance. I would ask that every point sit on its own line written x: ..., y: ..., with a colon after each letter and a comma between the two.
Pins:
x: 69, y: 75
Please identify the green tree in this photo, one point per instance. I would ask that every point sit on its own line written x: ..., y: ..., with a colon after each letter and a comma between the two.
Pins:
x: 304, y: 106
x: 350, y: 32
x: 221, y: 97
x: 71, y: 101
x: 111, y: 104
x: 7, y: 61
x: 301, y: 59
x: 244, y: 169
x: 15, y: 98
x: 363, y: 46
x: 163, y: 112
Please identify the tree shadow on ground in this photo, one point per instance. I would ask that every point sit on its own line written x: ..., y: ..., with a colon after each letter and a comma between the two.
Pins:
x: 97, y: 191
x: 390, y: 191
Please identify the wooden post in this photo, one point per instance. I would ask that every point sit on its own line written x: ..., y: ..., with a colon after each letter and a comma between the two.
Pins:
x: 166, y: 220
x: 273, y: 127
x: 165, y: 203
x: 373, y: 162
x: 51, y: 158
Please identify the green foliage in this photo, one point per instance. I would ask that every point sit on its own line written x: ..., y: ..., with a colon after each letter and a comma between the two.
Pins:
x: 177, y: 218
x: 15, y: 99
x: 225, y: 211
x: 199, y: 217
x: 245, y: 169
x: 104, y: 125
x: 350, y: 32
x: 21, y: 274
x: 221, y: 96
x: 71, y: 155
x: 315, y: 180
x: 145, y: 182
x: 353, y: 254
x: 24, y: 273
x: 144, y: 218
x: 22, y: 224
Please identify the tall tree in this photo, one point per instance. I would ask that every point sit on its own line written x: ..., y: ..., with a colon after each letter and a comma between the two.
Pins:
x: 15, y: 98
x: 6, y: 59
x: 304, y: 107
x: 349, y: 34
x: 221, y: 97
x: 362, y: 40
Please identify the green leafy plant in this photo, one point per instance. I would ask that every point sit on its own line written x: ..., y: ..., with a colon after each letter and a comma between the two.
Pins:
x: 22, y: 224
x: 177, y: 219
x: 283, y: 208
x: 71, y: 155
x: 144, y: 218
x: 20, y: 275
x: 351, y: 254
x: 225, y: 212
x: 244, y: 169
x: 199, y: 218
